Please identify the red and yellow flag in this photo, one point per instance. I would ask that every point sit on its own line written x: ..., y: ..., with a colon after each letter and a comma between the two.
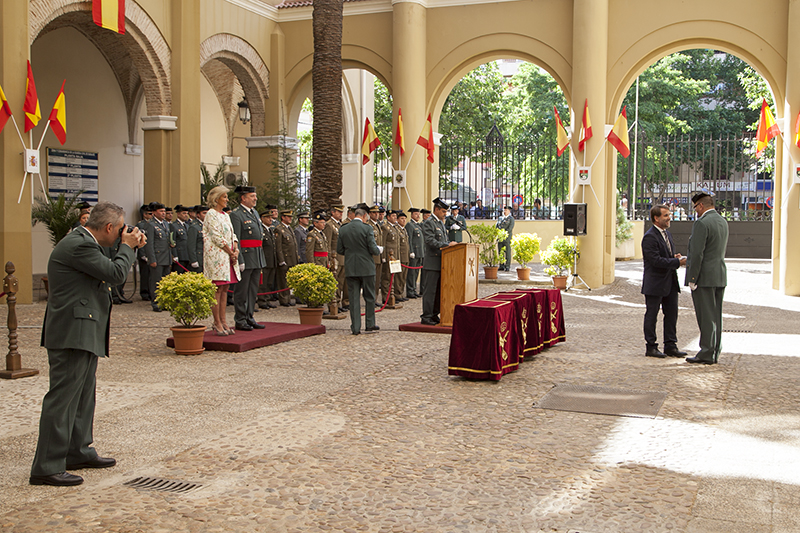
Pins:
x: 369, y: 143
x: 426, y: 138
x: 619, y: 135
x: 796, y: 129
x: 109, y: 14
x: 586, y: 127
x: 562, y: 141
x: 31, y: 106
x: 767, y: 129
x: 399, y: 138
x: 5, y: 110
x: 58, y: 116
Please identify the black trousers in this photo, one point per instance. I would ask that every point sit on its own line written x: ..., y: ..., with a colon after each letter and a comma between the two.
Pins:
x: 430, y: 294
x: 144, y: 279
x: 244, y: 296
x: 669, y: 305
x: 156, y: 273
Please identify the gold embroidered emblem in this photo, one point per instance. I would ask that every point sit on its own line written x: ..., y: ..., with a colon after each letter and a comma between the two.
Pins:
x: 553, y: 317
x: 524, y: 324
x: 501, y: 341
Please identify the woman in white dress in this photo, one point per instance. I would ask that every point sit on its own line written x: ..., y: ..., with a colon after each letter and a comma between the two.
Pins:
x: 220, y: 254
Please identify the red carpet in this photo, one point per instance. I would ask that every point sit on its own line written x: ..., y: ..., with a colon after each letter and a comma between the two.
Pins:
x: 242, y: 341
x: 418, y: 327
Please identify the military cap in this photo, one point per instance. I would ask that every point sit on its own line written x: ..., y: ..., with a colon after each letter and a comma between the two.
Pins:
x: 319, y: 215
x: 200, y: 208
x: 425, y: 211
x: 155, y: 206
x: 455, y: 206
x: 401, y: 214
x: 337, y: 207
x: 270, y: 206
x: 507, y: 207
x: 84, y: 205
x: 381, y: 209
x: 375, y: 208
x: 304, y: 214
x: 286, y: 212
x: 699, y: 196
x: 180, y: 208
x: 437, y: 202
x: 168, y: 209
x: 244, y: 189
x: 413, y: 210
x: 145, y: 208
x: 363, y: 206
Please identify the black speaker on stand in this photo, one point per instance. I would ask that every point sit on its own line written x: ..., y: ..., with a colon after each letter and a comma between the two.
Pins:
x: 574, y: 219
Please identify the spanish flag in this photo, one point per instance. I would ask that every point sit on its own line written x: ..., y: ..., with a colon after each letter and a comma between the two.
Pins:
x: 369, y: 143
x: 796, y: 129
x: 619, y: 135
x: 562, y: 141
x: 5, y: 110
x: 586, y: 127
x: 399, y: 139
x: 426, y: 138
x: 58, y: 116
x: 767, y: 129
x: 109, y: 14
x: 31, y: 106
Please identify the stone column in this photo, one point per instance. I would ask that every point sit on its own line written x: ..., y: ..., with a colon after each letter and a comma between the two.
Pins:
x: 409, y: 29
x: 786, y: 233
x: 183, y: 185
x: 589, y: 59
x: 158, y: 132
x: 264, y: 157
x: 15, y: 218
x: 276, y: 112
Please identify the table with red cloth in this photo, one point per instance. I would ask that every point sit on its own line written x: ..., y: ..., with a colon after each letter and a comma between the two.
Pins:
x: 528, y: 330
x: 550, y: 311
x: 484, y: 342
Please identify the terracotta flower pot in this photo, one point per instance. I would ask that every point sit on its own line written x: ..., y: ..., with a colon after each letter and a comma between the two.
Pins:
x: 188, y: 341
x: 560, y: 282
x: 490, y: 272
x: 524, y: 273
x: 311, y: 316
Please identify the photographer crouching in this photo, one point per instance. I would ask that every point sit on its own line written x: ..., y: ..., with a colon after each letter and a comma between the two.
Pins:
x: 76, y: 333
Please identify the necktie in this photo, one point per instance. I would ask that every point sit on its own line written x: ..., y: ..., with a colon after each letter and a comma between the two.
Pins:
x: 666, y: 239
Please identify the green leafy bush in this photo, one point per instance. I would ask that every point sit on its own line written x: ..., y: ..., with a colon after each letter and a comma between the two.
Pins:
x: 314, y: 284
x: 487, y: 237
x: 188, y: 297
x: 624, y: 226
x: 59, y: 214
x: 525, y: 246
x: 559, y: 256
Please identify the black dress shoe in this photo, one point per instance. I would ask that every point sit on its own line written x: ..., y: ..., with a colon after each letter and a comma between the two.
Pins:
x: 653, y: 352
x: 245, y: 327
x: 116, y: 301
x: 286, y: 305
x: 125, y: 300
x: 264, y: 306
x: 428, y: 322
x: 700, y: 361
x: 373, y: 328
x: 674, y: 352
x: 355, y: 333
x: 343, y: 309
x: 62, y: 479
x: 256, y: 325
x: 157, y: 309
x: 145, y: 297
x: 97, y: 462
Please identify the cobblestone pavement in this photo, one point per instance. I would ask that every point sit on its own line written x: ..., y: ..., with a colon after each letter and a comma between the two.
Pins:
x: 369, y: 433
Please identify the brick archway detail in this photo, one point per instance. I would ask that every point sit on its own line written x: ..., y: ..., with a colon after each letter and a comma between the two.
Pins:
x: 235, y: 70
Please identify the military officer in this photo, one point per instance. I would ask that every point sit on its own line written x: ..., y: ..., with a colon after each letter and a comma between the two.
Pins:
x: 158, y: 250
x: 400, y: 278
x: 317, y: 247
x: 180, y: 234
x: 415, y: 251
x: 455, y: 224
x: 506, y: 222
x: 379, y: 259
x: 435, y: 236
x: 144, y: 265
x: 331, y: 231
x: 268, y: 272
x: 194, y: 237
x: 300, y: 234
x: 247, y: 227
x: 286, y: 251
x: 390, y: 233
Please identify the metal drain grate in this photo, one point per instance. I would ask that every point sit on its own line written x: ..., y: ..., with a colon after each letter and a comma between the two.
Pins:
x: 603, y: 401
x: 162, y: 485
x: 736, y: 331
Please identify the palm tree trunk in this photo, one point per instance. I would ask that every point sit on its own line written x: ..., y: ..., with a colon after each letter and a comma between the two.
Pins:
x: 326, y: 81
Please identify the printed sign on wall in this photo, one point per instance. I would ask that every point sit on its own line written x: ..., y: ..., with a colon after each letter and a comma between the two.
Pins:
x: 70, y: 171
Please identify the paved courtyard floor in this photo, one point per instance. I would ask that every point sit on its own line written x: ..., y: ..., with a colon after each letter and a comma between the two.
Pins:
x: 369, y: 433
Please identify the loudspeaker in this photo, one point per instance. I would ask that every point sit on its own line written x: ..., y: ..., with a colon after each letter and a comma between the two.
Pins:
x: 574, y: 219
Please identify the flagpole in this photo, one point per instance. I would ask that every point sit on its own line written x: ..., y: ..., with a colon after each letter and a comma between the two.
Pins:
x: 43, y: 135
x: 18, y: 132
x: 30, y: 133
x: 22, y: 189
x: 408, y: 162
x: 635, y: 149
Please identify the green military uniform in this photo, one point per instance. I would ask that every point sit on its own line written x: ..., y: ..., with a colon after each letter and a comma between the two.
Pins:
x: 194, y: 244
x: 336, y: 261
x: 158, y: 250
x: 455, y: 226
x: 317, y: 248
x: 403, y: 250
x: 377, y: 259
x: 506, y: 222
x: 75, y: 333
x: 286, y: 252
x: 416, y: 247
x: 435, y: 237
x: 180, y: 236
x: 248, y: 229
x: 357, y: 244
x: 268, y: 273
x: 390, y: 234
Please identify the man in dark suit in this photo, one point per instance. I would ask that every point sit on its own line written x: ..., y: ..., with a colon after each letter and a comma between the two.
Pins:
x: 76, y: 333
x: 660, y: 284
x: 248, y: 229
x: 435, y: 236
x: 706, y: 275
x: 357, y: 244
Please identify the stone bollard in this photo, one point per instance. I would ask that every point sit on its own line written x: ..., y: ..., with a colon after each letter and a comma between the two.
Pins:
x: 14, y: 368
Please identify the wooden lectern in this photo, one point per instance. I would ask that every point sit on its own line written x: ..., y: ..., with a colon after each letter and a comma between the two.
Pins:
x: 459, y: 281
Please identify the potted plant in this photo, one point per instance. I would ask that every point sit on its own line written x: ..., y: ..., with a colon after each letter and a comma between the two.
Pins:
x: 188, y: 297
x: 559, y: 258
x: 59, y: 216
x: 487, y: 237
x: 525, y: 246
x: 624, y: 236
x: 316, y: 286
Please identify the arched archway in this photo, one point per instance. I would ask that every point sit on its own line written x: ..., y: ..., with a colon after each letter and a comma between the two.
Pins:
x: 140, y: 59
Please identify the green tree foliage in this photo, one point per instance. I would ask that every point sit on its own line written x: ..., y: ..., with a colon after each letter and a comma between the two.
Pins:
x: 59, y: 215
x: 473, y: 106
x: 528, y: 105
x: 383, y: 121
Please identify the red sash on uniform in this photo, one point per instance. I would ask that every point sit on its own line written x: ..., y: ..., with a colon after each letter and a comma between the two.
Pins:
x: 320, y: 254
x: 250, y: 243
